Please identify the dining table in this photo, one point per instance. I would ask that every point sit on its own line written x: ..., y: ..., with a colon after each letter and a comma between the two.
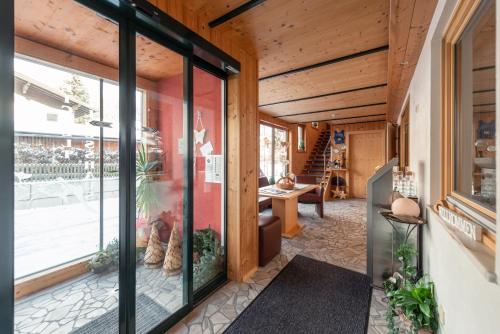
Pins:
x: 285, y: 205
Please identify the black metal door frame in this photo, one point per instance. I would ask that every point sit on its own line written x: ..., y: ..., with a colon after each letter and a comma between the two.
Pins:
x: 152, y: 23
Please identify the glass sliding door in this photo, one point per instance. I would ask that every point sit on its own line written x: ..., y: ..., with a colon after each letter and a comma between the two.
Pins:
x: 160, y: 183
x: 77, y: 168
x: 66, y: 169
x: 208, y: 179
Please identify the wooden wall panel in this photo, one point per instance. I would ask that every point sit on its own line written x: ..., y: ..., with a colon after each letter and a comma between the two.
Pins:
x: 359, y: 126
x: 350, y: 74
x: 366, y: 151
x: 242, y: 121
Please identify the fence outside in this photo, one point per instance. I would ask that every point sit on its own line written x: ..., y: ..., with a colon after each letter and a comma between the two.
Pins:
x: 33, y: 172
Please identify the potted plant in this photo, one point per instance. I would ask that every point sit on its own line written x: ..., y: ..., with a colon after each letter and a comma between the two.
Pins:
x: 416, y: 306
x: 411, y: 299
x: 208, y: 257
x: 100, y: 262
x: 146, y: 195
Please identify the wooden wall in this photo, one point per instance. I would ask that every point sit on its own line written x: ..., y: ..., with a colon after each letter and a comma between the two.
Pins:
x: 356, y: 128
x: 242, y: 127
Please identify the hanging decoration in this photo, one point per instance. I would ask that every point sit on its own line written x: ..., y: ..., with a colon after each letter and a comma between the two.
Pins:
x: 338, y: 137
x: 199, y: 131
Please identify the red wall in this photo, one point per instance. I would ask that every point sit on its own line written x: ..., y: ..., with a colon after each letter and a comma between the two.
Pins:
x: 207, y: 99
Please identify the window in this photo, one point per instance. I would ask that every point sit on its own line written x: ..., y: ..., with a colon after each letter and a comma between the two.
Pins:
x: 301, y: 138
x: 469, y: 111
x: 273, y: 152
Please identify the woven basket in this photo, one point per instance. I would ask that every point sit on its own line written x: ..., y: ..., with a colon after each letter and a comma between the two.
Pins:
x: 285, y: 183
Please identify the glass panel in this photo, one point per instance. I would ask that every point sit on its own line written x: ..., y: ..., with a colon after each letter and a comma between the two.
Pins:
x: 266, y: 151
x: 280, y: 153
x: 159, y: 183
x: 208, y: 183
x: 66, y: 169
x: 475, y: 151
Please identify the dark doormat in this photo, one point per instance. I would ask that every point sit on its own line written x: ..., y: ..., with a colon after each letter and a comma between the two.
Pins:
x: 149, y: 314
x: 309, y: 296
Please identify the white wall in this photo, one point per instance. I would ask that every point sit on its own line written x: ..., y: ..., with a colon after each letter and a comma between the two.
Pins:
x: 471, y: 304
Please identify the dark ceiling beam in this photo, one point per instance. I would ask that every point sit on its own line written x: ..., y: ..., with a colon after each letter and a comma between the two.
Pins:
x: 328, y: 62
x: 336, y: 109
x: 325, y: 95
x: 483, y: 104
x: 485, y: 68
x: 374, y: 121
x: 235, y: 12
x: 343, y: 119
x: 483, y: 91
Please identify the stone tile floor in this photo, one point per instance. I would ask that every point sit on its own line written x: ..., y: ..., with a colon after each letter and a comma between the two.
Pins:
x: 68, y: 306
x: 339, y: 239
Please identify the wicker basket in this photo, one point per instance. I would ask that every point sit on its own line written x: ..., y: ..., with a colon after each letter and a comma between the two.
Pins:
x: 285, y: 183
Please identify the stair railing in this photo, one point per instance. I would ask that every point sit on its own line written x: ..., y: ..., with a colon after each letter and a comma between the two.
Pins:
x: 324, y: 156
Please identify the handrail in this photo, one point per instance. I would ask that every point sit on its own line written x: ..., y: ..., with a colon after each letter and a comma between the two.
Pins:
x: 324, y: 155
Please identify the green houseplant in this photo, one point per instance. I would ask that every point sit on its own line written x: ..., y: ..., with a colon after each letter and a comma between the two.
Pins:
x: 146, y: 195
x: 417, y: 306
x: 208, y: 257
x: 411, y: 299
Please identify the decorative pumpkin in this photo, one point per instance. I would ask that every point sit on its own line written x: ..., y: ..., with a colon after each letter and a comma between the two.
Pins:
x: 405, y: 207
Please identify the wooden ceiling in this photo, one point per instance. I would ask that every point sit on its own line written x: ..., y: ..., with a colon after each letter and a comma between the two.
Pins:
x: 348, y: 58
x: 68, y: 26
x: 327, y: 55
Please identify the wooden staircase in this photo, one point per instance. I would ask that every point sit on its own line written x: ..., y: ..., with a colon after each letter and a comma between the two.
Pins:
x: 315, y: 165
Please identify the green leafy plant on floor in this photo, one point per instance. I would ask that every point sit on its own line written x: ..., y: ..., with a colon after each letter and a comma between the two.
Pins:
x: 109, y: 258
x: 208, y: 256
x: 146, y: 196
x: 413, y: 300
x: 100, y: 262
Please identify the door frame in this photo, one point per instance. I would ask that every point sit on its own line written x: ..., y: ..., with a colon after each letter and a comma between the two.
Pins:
x: 133, y: 17
x: 348, y: 143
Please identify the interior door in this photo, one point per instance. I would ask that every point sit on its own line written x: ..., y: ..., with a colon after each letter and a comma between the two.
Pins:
x: 366, y: 153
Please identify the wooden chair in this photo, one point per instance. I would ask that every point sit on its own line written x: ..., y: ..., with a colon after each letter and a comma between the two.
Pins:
x: 312, y: 197
x: 264, y: 202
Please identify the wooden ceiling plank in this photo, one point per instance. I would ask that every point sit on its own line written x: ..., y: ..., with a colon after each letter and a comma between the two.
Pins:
x: 327, y: 115
x: 289, y: 34
x: 334, y: 109
x: 408, y: 26
x: 324, y: 95
x: 328, y: 62
x: 366, y: 96
x: 350, y: 74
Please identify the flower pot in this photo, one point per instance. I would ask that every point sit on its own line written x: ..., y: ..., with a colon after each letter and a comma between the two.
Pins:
x: 408, y: 325
x: 142, y: 232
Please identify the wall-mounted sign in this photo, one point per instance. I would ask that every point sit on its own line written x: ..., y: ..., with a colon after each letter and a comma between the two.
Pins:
x: 468, y: 227
x: 213, y: 168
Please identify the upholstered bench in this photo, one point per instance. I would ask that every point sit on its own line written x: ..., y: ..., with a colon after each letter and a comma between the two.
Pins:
x: 269, y: 238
